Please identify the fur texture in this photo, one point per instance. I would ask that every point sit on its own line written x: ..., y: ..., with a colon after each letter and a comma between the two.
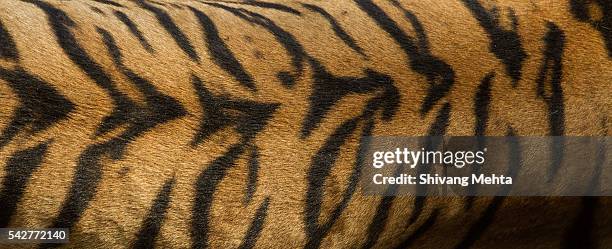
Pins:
x: 228, y: 124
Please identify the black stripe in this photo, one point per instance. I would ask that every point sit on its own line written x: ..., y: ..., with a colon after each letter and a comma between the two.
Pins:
x: 166, y: 22
x: 167, y: 5
x: 159, y: 109
x: 19, y: 168
x: 580, y: 10
x: 505, y: 44
x: 220, y: 111
x: 551, y: 73
x: 249, y: 118
x: 418, y: 233
x: 379, y: 221
x: 253, y: 172
x: 488, y: 216
x: 176, y: 6
x: 87, y: 177
x: 205, y: 186
x: 84, y: 184
x: 286, y: 39
x: 256, y: 226
x: 221, y: 54
x: 418, y: 205
x: 155, y: 218
x: 213, y: 119
x: 479, y: 227
x: 436, y: 130
x: 62, y: 25
x: 266, y: 5
x: 8, y: 49
x: 158, y: 3
x: 319, y: 170
x: 375, y: 229
x: 97, y: 10
x: 439, y: 74
x: 346, y: 38
x: 581, y: 233
x: 550, y: 90
x: 438, y: 127
x: 83, y: 187
x: 422, y: 41
x: 41, y: 105
x: 134, y: 30
x: 328, y: 89
x: 274, y: 6
x: 109, y: 2
x: 388, y: 25
x: 289, y: 42
x: 482, y: 100
x: 387, y: 102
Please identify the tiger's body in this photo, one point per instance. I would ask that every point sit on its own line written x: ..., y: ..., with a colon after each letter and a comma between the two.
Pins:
x: 236, y: 124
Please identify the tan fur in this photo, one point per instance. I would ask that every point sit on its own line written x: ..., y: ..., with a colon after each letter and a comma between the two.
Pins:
x: 129, y: 186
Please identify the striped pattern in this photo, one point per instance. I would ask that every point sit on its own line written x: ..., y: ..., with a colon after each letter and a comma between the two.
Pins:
x: 209, y: 124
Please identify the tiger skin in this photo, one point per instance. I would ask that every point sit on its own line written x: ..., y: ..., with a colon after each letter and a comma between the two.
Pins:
x: 222, y: 124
